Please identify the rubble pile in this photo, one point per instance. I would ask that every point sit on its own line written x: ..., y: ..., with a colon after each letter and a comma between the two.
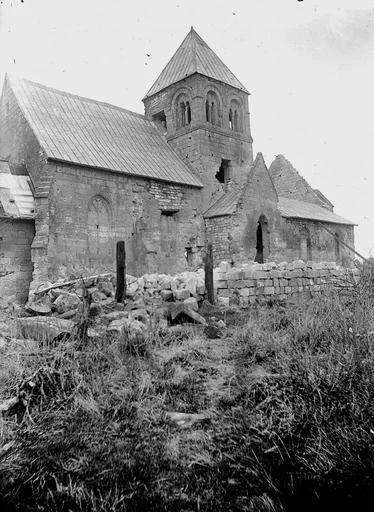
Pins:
x: 157, y: 302
x: 153, y: 302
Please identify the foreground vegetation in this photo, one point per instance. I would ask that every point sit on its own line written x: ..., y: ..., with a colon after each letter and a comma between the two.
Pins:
x: 287, y: 395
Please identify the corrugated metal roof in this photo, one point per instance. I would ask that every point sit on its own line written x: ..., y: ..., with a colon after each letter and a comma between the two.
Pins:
x: 194, y: 56
x: 292, y: 208
x: 225, y: 205
x: 91, y: 133
x: 16, y: 197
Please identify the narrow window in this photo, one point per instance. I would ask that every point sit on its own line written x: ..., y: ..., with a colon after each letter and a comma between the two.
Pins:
x: 207, y: 111
x: 188, y: 111
x: 236, y: 125
x: 183, y: 114
x: 231, y: 125
x: 213, y: 113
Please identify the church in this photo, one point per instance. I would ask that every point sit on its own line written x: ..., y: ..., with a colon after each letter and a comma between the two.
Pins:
x: 77, y: 175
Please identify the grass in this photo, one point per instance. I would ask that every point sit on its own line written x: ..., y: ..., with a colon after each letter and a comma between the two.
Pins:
x: 288, y: 393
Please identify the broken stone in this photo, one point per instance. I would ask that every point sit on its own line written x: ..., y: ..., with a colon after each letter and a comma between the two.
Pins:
x: 98, y: 296
x: 166, y: 295
x: 181, y: 294
x: 43, y: 328
x: 181, y: 313
x: 191, y: 284
x: 133, y: 328
x: 140, y: 314
x: 191, y: 302
x: 69, y: 314
x: 38, y: 308
x: 165, y: 283
x: 106, y: 288
x: 107, y: 318
x: 185, y: 420
x: 66, y: 302
x: 132, y: 289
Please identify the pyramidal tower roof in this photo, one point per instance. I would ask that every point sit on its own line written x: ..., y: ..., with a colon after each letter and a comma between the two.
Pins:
x: 194, y: 56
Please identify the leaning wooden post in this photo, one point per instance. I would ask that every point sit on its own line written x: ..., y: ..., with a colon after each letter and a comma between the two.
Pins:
x: 121, y: 271
x: 209, y: 273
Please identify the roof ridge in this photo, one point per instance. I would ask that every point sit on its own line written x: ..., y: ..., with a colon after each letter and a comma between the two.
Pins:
x: 14, y: 78
x: 188, y: 59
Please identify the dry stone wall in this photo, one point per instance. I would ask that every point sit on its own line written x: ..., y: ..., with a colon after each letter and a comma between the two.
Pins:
x: 251, y: 282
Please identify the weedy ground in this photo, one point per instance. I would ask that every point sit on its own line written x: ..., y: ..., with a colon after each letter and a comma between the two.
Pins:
x: 288, y: 394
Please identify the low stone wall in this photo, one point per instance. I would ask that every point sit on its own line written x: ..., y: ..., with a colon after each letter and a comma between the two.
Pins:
x: 248, y: 283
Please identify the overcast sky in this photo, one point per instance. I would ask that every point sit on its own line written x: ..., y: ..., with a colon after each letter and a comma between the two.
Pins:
x: 309, y: 66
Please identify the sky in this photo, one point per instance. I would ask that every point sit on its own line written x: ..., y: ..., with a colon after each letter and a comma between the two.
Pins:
x: 309, y: 66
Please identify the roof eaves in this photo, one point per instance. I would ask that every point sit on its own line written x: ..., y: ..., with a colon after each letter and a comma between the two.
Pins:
x: 117, y: 171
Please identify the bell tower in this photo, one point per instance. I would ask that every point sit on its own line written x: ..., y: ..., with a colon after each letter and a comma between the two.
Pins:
x: 202, y: 108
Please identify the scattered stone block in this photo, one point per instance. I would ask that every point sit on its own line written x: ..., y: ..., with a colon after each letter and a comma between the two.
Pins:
x: 223, y: 301
x: 41, y: 328
x: 191, y: 302
x: 181, y: 294
x: 166, y: 295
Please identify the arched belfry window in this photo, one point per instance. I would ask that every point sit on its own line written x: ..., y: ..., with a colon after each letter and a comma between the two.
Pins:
x: 212, y: 109
x: 235, y: 116
x: 188, y: 112
x: 231, y: 121
x: 182, y: 111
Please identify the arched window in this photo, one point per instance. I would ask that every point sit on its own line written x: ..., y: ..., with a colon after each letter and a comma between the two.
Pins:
x: 182, y: 111
x: 212, y: 108
x: 207, y: 111
x: 235, y: 116
x: 231, y: 123
x: 99, y: 232
x: 305, y: 244
x: 188, y: 112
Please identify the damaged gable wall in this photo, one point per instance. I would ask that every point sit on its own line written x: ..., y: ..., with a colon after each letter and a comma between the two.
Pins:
x: 258, y: 201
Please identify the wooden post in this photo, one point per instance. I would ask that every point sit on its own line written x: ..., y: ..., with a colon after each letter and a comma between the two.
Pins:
x: 209, y: 273
x: 121, y: 271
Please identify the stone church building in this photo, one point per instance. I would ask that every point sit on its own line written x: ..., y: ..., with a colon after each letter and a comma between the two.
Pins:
x: 77, y: 175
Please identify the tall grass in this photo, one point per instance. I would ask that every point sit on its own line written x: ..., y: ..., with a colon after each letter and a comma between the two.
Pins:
x: 288, y: 393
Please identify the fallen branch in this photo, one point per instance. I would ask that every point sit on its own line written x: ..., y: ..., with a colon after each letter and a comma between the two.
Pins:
x: 69, y: 283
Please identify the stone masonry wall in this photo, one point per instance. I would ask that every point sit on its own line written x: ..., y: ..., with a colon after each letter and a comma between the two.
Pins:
x: 201, y: 144
x: 169, y: 196
x: 217, y: 231
x: 15, y: 259
x: 89, y: 210
x: 246, y: 284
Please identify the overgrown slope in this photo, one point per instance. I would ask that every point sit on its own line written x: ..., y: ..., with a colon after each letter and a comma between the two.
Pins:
x: 279, y: 415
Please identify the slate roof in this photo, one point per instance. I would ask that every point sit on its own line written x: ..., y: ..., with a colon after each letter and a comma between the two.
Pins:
x: 292, y: 208
x: 91, y: 133
x: 16, y: 198
x: 194, y: 56
x: 289, y: 208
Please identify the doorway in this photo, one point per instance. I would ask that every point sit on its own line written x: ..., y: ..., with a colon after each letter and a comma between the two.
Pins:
x: 262, y: 240
x: 259, y: 244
